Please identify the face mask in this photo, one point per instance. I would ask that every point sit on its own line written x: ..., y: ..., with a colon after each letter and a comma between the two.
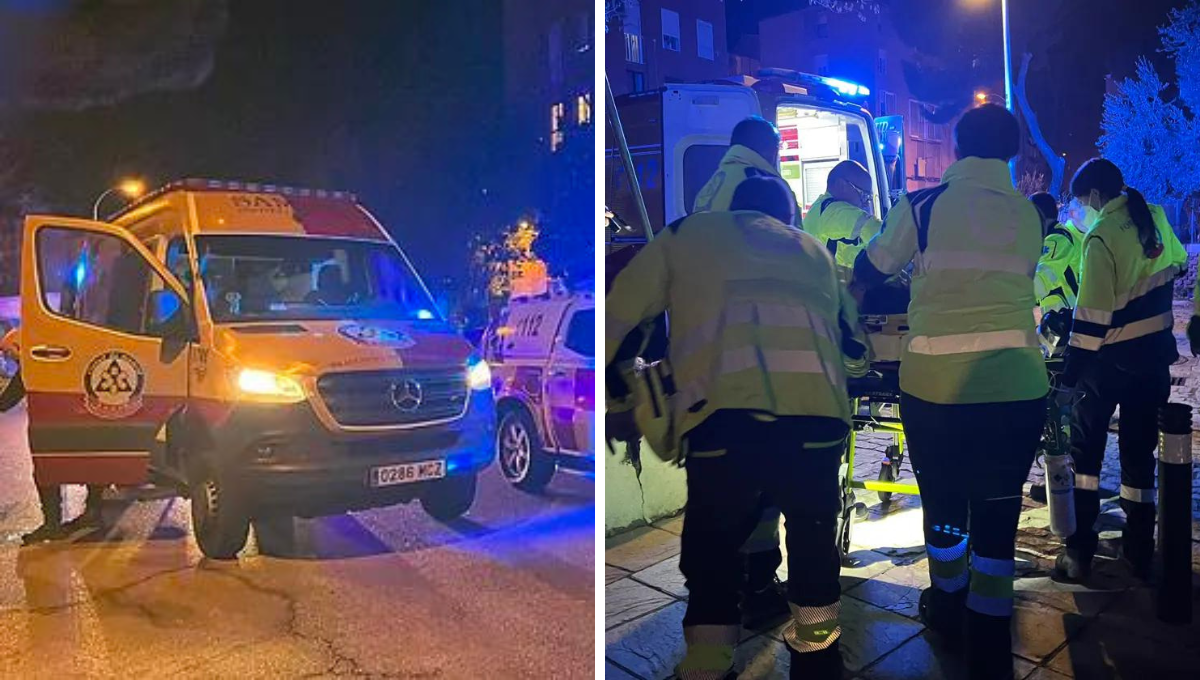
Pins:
x: 1090, y: 217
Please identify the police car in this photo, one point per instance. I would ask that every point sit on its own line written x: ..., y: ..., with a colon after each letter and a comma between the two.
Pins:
x: 543, y: 360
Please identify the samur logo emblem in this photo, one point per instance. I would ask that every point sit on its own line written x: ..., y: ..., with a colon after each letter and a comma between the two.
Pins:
x: 113, y: 384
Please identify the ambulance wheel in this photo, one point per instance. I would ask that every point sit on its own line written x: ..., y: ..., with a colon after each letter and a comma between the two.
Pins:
x: 275, y: 535
x: 220, y: 523
x: 523, y: 461
x: 450, y: 498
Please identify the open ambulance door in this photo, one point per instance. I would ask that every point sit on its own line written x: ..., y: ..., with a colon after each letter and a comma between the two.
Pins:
x: 104, y: 352
x: 696, y: 123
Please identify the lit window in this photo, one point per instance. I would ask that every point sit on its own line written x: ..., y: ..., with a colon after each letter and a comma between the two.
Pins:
x: 557, y: 113
x: 583, y: 109
x: 670, y: 30
x: 704, y: 40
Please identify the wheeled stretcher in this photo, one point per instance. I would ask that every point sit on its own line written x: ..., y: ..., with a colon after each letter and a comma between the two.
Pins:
x: 875, y: 408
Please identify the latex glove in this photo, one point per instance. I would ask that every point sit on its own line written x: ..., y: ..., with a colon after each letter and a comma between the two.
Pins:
x: 1193, y: 334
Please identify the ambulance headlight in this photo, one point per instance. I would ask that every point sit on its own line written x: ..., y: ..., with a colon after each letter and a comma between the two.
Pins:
x: 479, y: 376
x: 267, y: 386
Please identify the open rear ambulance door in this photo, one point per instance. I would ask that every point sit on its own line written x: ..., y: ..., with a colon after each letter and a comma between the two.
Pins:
x: 105, y: 333
x: 696, y: 123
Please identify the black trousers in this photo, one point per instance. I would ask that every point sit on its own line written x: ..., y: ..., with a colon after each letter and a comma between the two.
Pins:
x: 971, y: 461
x: 1140, y: 395
x: 783, y: 463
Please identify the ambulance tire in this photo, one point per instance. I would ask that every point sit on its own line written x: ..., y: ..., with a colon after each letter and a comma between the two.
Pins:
x: 219, y: 521
x: 275, y: 535
x: 530, y: 469
x: 448, y: 499
x: 12, y: 391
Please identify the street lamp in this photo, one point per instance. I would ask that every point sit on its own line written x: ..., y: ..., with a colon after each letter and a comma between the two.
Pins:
x: 130, y: 188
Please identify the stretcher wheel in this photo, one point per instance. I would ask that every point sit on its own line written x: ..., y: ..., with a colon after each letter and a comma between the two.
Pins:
x: 889, y: 471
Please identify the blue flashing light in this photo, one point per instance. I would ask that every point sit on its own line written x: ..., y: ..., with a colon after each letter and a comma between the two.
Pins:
x: 452, y: 464
x: 424, y: 314
x: 80, y: 273
x: 881, y: 146
x: 846, y: 87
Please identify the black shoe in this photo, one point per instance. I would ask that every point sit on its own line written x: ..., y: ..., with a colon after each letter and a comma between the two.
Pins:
x: 89, y: 520
x: 1071, y: 565
x: 44, y: 533
x: 765, y: 605
x: 946, y: 617
x: 823, y: 665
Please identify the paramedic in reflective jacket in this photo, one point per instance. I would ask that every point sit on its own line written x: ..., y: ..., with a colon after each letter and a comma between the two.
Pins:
x: 1120, y: 353
x: 971, y: 360
x: 763, y: 336
x: 753, y: 152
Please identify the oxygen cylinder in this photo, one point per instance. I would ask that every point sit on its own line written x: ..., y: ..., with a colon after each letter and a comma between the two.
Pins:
x: 1060, y: 493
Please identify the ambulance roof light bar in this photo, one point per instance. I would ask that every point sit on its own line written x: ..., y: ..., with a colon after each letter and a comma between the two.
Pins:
x: 838, y: 85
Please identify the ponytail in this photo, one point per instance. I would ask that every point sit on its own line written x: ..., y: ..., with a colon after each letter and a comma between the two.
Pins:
x: 1139, y: 212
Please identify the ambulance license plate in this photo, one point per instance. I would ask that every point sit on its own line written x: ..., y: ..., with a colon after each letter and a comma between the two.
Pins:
x: 406, y: 473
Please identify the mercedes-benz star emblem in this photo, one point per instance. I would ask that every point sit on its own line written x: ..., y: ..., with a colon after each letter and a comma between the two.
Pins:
x: 407, y: 395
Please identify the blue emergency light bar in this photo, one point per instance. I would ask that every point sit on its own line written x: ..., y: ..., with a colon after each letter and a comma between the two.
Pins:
x: 838, y: 85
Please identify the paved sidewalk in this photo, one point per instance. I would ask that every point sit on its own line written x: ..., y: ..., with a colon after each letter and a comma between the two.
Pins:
x: 1107, y: 630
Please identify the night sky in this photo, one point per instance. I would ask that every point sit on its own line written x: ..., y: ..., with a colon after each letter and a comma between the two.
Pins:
x: 1075, y: 43
x: 400, y: 102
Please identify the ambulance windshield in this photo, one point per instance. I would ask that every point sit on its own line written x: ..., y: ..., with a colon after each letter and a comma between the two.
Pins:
x: 288, y: 278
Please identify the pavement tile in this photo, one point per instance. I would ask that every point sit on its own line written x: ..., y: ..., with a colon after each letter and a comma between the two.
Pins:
x: 665, y: 576
x: 671, y: 524
x: 868, y: 633
x: 1065, y: 597
x: 612, y: 574
x: 924, y: 658
x: 627, y: 599
x: 640, y: 548
x: 895, y: 590
x: 612, y: 672
x: 761, y: 658
x: 1038, y: 631
x: 862, y: 565
x: 1046, y: 674
x: 651, y: 645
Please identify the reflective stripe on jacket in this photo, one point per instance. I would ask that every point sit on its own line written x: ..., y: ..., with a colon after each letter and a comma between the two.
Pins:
x: 974, y: 243
x: 1056, y: 284
x: 738, y: 164
x: 1124, y: 307
x: 758, y: 319
x: 843, y: 228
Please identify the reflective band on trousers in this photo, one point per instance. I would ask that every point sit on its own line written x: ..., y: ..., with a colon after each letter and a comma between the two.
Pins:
x: 1137, y: 329
x: 1136, y: 495
x: 1099, y: 316
x: 1145, y: 286
x: 947, y: 260
x: 813, y: 628
x: 948, y: 566
x: 709, y: 652
x: 1087, y: 482
x: 991, y: 585
x: 973, y: 342
x: 737, y: 313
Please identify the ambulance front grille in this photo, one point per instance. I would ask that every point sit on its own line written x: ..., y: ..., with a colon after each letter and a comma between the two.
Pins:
x: 394, y: 398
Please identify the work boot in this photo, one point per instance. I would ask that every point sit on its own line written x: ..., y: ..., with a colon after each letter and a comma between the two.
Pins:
x: 823, y: 665
x: 989, y: 646
x: 943, y: 613
x: 764, y: 605
x: 51, y: 528
x: 91, y: 517
x: 1072, y: 565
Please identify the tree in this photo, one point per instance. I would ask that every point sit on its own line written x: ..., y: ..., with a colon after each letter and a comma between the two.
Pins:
x: 1154, y: 141
x: 1057, y: 163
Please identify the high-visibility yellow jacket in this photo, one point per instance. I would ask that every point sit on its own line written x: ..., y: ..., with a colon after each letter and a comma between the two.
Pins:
x: 974, y: 243
x: 843, y: 228
x: 1123, y: 314
x: 1056, y: 284
x: 758, y: 318
x: 738, y: 164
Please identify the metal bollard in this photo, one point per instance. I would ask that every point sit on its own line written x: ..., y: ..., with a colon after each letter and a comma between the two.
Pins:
x: 1174, y: 554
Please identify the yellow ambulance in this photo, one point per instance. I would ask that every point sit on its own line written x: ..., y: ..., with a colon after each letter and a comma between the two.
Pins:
x: 267, y: 351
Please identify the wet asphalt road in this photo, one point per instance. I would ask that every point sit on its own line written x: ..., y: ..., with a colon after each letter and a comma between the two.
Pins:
x: 506, y: 592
